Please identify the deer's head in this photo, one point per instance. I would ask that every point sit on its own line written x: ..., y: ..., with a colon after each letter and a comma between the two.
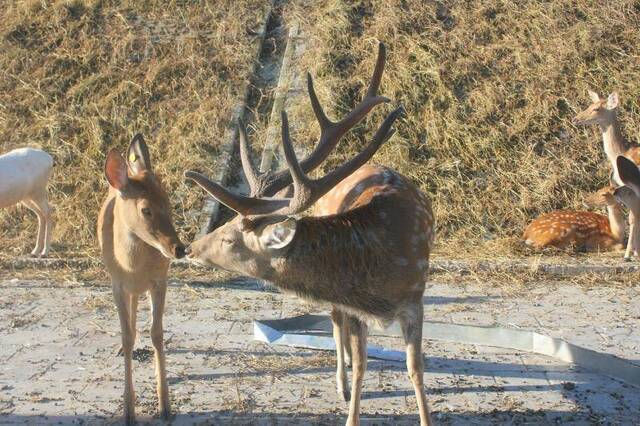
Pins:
x: 602, y: 197
x: 265, y: 227
x: 143, y: 205
x: 601, y: 111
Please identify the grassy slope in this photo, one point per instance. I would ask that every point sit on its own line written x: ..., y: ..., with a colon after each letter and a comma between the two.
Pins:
x: 80, y: 77
x: 490, y: 89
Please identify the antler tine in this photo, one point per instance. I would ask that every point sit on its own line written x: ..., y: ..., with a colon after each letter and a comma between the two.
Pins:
x: 327, y: 182
x: 244, y: 205
x: 245, y: 158
x: 331, y: 132
x: 308, y: 191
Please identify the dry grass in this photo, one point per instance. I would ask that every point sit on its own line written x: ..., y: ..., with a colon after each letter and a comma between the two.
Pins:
x: 80, y: 77
x: 490, y: 89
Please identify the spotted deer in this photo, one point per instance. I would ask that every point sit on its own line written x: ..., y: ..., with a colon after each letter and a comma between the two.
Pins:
x: 24, y: 174
x: 603, y: 112
x: 365, y: 252
x: 582, y: 230
x: 137, y: 240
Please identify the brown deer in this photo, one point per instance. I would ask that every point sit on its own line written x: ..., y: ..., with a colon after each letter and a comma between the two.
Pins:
x: 580, y: 229
x: 603, y: 112
x: 137, y: 240
x: 368, y: 257
x: 629, y: 195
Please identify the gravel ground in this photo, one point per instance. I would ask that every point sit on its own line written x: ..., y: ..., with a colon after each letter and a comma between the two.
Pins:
x: 58, y: 359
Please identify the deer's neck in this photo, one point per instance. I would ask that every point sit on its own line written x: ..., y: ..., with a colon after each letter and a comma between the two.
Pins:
x: 614, y: 142
x: 341, y: 260
x: 616, y: 221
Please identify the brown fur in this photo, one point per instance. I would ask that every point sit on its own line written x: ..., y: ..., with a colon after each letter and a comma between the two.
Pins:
x: 367, y: 257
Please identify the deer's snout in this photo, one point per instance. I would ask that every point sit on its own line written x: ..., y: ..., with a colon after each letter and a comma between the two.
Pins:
x: 179, y: 251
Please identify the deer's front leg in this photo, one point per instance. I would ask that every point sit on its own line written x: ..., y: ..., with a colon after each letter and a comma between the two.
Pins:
x: 123, y: 303
x: 341, y: 339
x: 632, y: 237
x: 157, y: 337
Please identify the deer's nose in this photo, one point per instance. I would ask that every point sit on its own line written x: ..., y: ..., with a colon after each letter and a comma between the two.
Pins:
x: 179, y: 251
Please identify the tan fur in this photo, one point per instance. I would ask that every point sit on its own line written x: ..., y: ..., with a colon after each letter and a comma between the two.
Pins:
x: 135, y: 251
x: 602, y: 112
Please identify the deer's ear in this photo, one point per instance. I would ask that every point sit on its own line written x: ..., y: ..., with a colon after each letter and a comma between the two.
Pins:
x: 629, y: 173
x: 593, y: 96
x: 115, y: 168
x: 613, y: 100
x: 138, y: 157
x: 278, y: 235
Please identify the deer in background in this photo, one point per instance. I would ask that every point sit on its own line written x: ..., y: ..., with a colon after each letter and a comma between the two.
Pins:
x: 137, y: 240
x: 580, y: 229
x: 603, y: 113
x: 367, y: 257
x: 24, y: 174
x: 629, y: 195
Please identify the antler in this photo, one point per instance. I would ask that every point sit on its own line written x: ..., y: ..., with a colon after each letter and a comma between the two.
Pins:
x: 306, y: 191
x: 269, y: 183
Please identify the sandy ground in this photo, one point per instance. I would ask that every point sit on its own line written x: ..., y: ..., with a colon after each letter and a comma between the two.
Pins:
x: 59, y: 340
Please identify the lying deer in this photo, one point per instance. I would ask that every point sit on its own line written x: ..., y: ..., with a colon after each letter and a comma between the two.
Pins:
x: 137, y: 239
x: 602, y: 112
x: 24, y: 174
x: 580, y: 229
x: 367, y: 255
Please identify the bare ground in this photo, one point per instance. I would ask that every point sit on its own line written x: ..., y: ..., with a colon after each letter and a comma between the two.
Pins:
x: 58, y: 361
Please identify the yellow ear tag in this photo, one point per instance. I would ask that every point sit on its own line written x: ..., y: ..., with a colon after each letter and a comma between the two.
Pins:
x: 132, y: 158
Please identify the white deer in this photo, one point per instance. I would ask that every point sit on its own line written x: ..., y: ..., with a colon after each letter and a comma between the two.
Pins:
x: 24, y: 174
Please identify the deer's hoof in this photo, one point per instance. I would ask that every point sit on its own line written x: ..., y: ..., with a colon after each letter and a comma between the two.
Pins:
x: 627, y: 258
x: 346, y: 395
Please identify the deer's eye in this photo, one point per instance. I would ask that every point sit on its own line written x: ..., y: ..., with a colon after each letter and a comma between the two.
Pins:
x: 146, y: 211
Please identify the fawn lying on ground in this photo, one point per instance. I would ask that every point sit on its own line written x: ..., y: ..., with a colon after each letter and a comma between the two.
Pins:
x: 580, y: 229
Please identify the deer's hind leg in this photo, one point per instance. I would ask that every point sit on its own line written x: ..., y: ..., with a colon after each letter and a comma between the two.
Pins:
x: 358, y: 340
x: 411, y: 324
x: 158, y: 293
x: 40, y: 206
